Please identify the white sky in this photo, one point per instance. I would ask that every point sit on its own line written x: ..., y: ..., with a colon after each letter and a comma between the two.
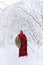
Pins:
x: 9, y: 1
x: 5, y: 3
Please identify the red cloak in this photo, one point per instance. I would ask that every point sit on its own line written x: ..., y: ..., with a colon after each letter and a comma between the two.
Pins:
x: 23, y: 48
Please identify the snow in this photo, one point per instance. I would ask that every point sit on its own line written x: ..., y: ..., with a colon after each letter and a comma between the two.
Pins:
x: 14, y: 18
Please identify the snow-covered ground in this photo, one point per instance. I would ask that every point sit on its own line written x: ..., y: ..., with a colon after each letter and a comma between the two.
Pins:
x: 29, y: 18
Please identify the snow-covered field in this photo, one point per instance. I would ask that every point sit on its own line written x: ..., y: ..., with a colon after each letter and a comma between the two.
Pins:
x: 29, y: 18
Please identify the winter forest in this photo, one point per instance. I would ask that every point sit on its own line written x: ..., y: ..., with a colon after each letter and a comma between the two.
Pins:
x: 14, y: 16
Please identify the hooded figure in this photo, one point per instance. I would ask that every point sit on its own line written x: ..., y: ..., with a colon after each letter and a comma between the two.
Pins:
x: 23, y: 44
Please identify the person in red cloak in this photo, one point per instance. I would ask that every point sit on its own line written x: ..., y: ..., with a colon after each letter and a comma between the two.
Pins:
x: 23, y: 47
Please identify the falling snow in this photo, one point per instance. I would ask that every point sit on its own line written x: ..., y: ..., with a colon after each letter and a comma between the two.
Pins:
x: 29, y: 18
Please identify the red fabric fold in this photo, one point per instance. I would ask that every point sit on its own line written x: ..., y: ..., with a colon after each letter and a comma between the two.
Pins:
x: 23, y: 48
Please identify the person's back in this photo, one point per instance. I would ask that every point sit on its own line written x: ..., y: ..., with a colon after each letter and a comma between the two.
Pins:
x: 23, y: 47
